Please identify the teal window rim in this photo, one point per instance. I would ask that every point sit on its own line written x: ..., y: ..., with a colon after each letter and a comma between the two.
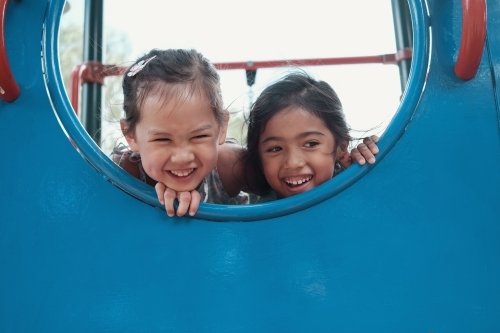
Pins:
x: 214, y: 212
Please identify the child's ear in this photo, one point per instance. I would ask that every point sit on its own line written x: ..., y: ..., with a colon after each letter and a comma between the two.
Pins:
x: 341, y: 152
x: 223, y: 129
x: 129, y: 136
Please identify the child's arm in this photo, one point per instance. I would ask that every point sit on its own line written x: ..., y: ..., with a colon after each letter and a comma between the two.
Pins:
x: 230, y: 168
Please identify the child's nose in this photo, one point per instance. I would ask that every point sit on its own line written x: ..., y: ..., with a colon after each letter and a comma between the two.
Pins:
x: 182, y: 155
x: 294, y: 160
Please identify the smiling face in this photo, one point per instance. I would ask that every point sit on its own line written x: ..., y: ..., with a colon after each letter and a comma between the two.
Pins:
x: 297, y: 152
x: 177, y: 139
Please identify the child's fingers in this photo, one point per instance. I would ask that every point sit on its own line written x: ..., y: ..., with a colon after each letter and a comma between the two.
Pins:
x: 366, y: 153
x: 169, y: 197
x: 160, y: 192
x: 195, y: 202
x: 184, y: 202
x: 357, y: 156
x: 371, y: 143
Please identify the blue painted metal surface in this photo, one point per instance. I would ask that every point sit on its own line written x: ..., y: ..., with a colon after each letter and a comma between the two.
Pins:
x: 410, y: 244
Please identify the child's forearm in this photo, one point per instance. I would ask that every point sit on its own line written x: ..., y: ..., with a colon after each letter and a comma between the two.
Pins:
x: 230, y: 168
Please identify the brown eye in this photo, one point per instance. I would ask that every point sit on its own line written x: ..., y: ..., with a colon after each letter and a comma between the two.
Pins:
x: 311, y: 144
x: 273, y: 150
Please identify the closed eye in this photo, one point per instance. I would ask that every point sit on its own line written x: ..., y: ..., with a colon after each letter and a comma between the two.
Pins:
x: 201, y: 136
x: 161, y: 139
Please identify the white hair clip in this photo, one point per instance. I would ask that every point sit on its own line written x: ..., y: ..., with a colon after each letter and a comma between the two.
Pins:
x: 139, y: 66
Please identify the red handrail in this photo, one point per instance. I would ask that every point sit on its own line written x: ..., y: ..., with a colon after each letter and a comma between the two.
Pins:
x: 473, y: 37
x: 9, y: 89
x: 391, y: 59
x: 90, y: 71
x: 95, y: 72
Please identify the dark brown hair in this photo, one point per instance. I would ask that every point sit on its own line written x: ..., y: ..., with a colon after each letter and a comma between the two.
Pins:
x: 171, y: 72
x: 297, y: 90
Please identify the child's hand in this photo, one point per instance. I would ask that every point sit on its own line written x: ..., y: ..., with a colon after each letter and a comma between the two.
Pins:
x: 366, y: 150
x: 363, y: 152
x: 187, y: 200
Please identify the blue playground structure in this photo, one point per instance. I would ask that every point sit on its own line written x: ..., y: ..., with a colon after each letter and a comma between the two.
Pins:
x: 409, y: 244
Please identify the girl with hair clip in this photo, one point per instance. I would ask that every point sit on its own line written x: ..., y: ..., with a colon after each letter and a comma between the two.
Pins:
x: 175, y: 126
x: 297, y: 139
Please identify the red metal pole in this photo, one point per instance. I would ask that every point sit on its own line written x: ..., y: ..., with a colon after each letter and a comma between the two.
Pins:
x: 95, y: 72
x: 9, y: 89
x: 473, y: 37
x: 75, y: 87
x: 392, y: 59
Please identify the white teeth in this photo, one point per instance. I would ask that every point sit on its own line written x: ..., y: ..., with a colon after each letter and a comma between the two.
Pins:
x: 298, y: 182
x: 182, y: 173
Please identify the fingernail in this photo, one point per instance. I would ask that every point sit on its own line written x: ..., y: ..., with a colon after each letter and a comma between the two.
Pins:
x: 371, y: 160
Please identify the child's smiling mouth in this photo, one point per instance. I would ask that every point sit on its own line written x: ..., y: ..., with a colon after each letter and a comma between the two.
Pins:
x: 182, y: 173
x: 297, y: 181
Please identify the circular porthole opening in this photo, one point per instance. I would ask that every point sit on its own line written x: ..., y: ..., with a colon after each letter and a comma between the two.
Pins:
x: 349, y: 81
